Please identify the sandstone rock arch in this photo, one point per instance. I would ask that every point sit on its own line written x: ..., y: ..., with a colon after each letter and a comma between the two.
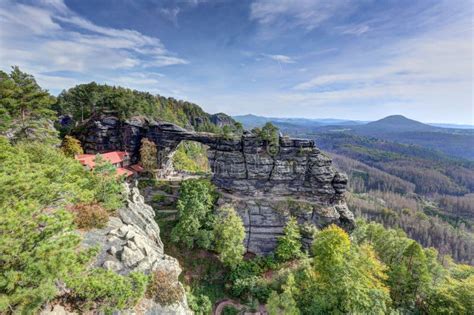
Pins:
x: 265, y: 189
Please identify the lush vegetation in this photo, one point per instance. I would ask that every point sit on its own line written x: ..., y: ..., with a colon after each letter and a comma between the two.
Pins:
x: 191, y: 157
x: 44, y: 193
x: 85, y: 100
x: 376, y: 271
x: 25, y: 108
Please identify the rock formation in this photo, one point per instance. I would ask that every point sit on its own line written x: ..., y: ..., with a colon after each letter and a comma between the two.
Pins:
x: 131, y: 242
x: 266, y: 188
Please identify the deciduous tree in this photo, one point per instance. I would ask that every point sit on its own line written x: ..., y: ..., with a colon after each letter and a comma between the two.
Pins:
x: 229, y: 234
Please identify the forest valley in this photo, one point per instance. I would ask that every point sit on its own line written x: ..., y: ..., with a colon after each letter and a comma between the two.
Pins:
x: 407, y: 254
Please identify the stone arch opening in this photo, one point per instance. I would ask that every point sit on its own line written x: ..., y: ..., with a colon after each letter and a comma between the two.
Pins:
x: 191, y: 157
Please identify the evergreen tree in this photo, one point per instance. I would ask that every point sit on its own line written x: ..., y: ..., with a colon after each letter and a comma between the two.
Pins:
x: 148, y: 155
x: 25, y: 108
x: 229, y: 234
x: 71, y: 146
x: 289, y: 245
x: 409, y: 277
x: 195, y: 202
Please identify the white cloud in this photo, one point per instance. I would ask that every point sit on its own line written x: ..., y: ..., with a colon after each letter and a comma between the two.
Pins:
x: 280, y: 58
x: 425, y: 75
x: 49, y: 37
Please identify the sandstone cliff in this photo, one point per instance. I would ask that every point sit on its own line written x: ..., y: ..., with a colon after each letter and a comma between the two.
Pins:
x: 266, y: 188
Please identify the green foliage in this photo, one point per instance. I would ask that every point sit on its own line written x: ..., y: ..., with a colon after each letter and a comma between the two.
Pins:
x: 85, y: 100
x: 200, y: 304
x: 284, y: 303
x: 345, y: 278
x: 269, y: 134
x: 71, y: 146
x: 107, y: 184
x: 249, y: 288
x: 105, y: 290
x: 38, y: 245
x: 195, y: 203
x: 417, y: 281
x: 289, y: 245
x: 230, y: 310
x: 148, y: 155
x: 25, y: 108
x: 191, y: 157
x: 32, y: 171
x: 229, y: 234
x: 37, y: 249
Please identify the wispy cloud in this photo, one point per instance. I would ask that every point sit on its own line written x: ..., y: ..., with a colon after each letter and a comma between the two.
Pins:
x: 280, y: 58
x: 355, y: 29
x: 49, y: 36
x: 308, y: 14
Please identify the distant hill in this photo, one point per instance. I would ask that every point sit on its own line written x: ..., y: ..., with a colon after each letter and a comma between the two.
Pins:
x: 457, y: 142
x: 454, y: 142
x: 396, y: 123
x: 251, y: 121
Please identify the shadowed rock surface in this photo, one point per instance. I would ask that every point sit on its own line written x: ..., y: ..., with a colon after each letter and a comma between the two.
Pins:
x: 298, y: 180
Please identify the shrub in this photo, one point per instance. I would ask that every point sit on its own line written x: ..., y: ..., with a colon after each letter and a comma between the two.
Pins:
x: 164, y: 287
x: 253, y: 287
x: 37, y: 249
x: 230, y: 310
x: 199, y: 303
x: 89, y: 215
x: 105, y: 290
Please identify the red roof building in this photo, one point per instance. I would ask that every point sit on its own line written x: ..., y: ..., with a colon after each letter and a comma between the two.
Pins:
x: 119, y: 159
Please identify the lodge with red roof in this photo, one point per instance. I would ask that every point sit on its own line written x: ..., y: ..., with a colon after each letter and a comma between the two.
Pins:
x: 119, y: 159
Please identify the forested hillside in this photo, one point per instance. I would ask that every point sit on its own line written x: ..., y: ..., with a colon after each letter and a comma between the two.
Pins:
x: 85, y: 100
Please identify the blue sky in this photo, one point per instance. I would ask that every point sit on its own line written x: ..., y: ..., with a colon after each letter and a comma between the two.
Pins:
x: 359, y: 59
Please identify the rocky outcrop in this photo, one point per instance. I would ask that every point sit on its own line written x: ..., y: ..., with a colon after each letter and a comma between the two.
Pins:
x: 265, y: 186
x: 131, y: 242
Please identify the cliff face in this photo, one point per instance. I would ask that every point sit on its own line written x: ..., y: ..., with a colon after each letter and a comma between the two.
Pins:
x: 298, y: 180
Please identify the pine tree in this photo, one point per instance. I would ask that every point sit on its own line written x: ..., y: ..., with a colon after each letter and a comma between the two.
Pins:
x: 289, y: 245
x: 25, y: 108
